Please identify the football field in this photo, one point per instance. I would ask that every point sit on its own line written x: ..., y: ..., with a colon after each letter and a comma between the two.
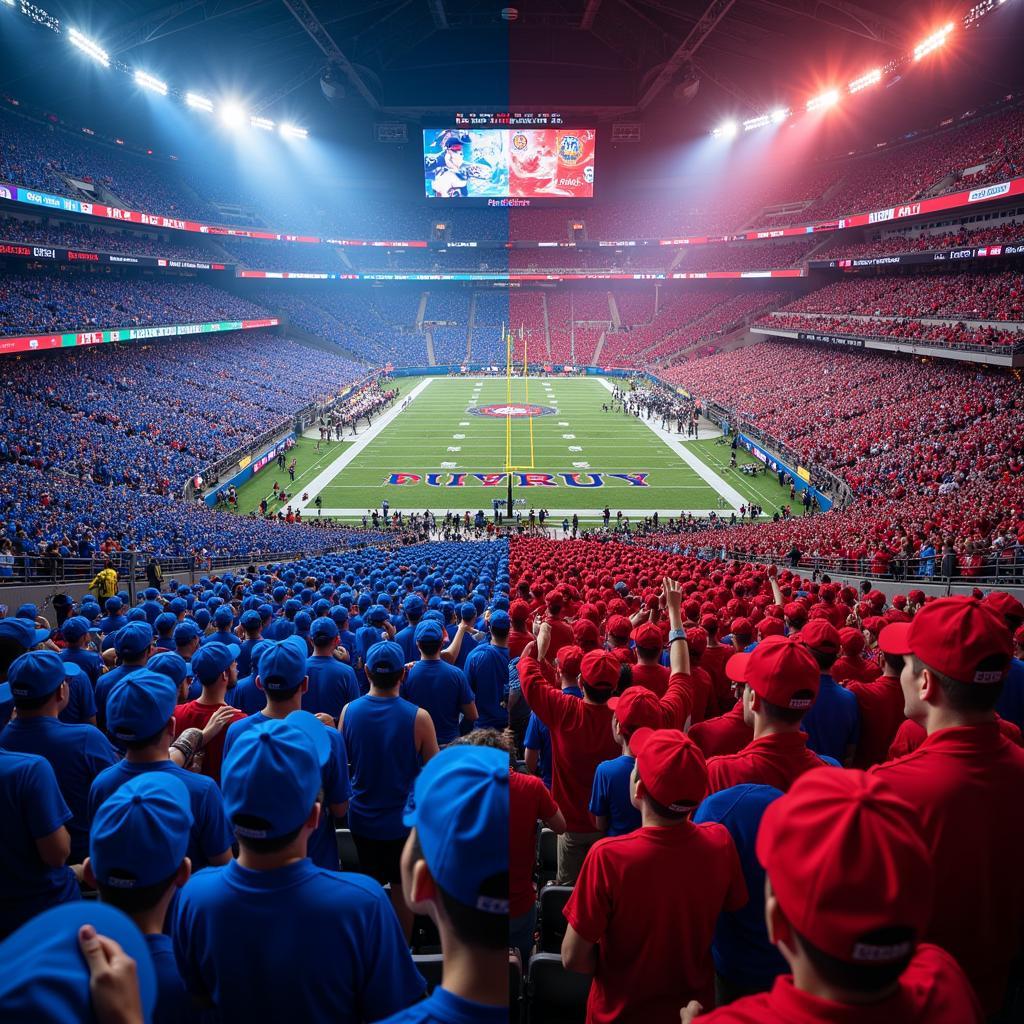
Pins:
x: 455, y: 443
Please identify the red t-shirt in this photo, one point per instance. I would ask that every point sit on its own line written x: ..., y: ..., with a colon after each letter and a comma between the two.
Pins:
x: 932, y: 990
x: 725, y: 734
x: 911, y: 735
x: 777, y: 759
x: 581, y: 738
x: 703, y: 693
x: 965, y: 784
x: 529, y: 802
x: 654, y: 677
x: 651, y: 900
x: 194, y: 715
x: 881, y: 714
x: 561, y: 636
x: 517, y: 642
x: 713, y: 662
x: 854, y: 669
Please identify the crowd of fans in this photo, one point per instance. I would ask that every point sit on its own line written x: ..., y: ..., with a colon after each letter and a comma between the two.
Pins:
x: 739, y: 256
x: 896, y: 242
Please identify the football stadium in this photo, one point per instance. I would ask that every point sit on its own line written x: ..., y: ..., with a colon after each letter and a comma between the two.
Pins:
x: 511, y: 513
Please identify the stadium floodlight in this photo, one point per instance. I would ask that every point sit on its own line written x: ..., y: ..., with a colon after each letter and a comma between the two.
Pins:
x: 869, y: 78
x: 9, y: 3
x: 151, y: 83
x: 727, y: 130
x: 87, y: 46
x: 261, y: 122
x: 779, y: 115
x: 824, y: 101
x: 756, y: 122
x: 293, y: 131
x: 933, y: 42
x: 197, y: 102
x: 232, y: 115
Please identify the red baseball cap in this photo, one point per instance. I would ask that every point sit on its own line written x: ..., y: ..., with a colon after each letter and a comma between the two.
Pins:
x: 518, y: 611
x: 782, y: 671
x: 619, y: 627
x: 586, y: 634
x: 796, y: 613
x: 874, y: 624
x: 821, y: 635
x: 917, y: 596
x: 671, y: 767
x: 1005, y: 605
x: 851, y: 639
x: 555, y: 597
x: 736, y: 667
x: 954, y: 636
x: 843, y: 853
x: 648, y: 634
x: 709, y: 623
x: 770, y: 626
x: 697, y: 640
x: 600, y: 670
x: 569, y: 659
x: 742, y: 627
x: 635, y: 708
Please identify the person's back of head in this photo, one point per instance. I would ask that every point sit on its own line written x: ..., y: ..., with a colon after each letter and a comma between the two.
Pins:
x: 385, y: 666
x: 782, y: 680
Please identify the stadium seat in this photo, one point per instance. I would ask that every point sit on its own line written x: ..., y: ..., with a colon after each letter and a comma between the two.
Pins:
x: 555, y: 995
x: 431, y: 966
x: 515, y: 987
x: 347, y: 852
x: 553, y: 899
x: 547, y: 857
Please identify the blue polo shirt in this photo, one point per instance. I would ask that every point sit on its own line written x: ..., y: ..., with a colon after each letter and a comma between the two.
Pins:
x: 444, y: 1007
x: 103, y: 687
x: 88, y: 661
x: 609, y: 796
x: 173, y: 1003
x: 741, y: 950
x: 332, y: 685
x: 81, y: 705
x: 441, y: 690
x: 77, y: 754
x: 487, y: 672
x: 31, y: 807
x: 210, y: 835
x: 380, y: 784
x: 354, y: 965
x: 833, y: 723
x: 323, y: 845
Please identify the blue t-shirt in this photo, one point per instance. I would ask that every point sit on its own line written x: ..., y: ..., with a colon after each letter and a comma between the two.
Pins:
x: 103, y: 687
x: 406, y: 639
x: 741, y: 950
x: 31, y: 807
x: 211, y: 833
x: 332, y: 684
x: 354, y: 964
x: 609, y: 797
x: 487, y: 672
x: 466, y: 648
x: 538, y: 738
x: 245, y: 656
x: 833, y: 723
x: 441, y: 690
x: 444, y: 1007
x: 244, y: 695
x: 88, y: 661
x: 380, y: 782
x: 77, y: 753
x: 1011, y: 701
x: 173, y: 1003
x: 323, y: 846
x: 81, y: 705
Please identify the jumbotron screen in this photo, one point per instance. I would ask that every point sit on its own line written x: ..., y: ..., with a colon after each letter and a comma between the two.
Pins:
x: 505, y: 163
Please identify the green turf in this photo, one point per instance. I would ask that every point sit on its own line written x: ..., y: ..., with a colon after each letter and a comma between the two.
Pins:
x: 418, y: 442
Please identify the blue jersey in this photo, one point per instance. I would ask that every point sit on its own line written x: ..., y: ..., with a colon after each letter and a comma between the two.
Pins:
x: 173, y: 1004
x: 1011, y: 701
x: 354, y: 966
x: 81, y: 705
x: 487, y: 672
x: 332, y: 685
x: 380, y: 784
x: 444, y: 1007
x: 833, y: 723
x: 31, y: 808
x: 538, y: 738
x: 210, y: 835
x: 406, y: 639
x: 88, y: 661
x: 609, y: 797
x: 441, y: 690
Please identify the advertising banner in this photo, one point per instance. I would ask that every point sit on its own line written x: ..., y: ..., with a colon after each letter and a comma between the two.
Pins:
x: 976, y: 252
x: 32, y: 251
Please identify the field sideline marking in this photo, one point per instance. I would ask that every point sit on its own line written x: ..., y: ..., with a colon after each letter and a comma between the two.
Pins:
x: 322, y: 479
x: 701, y: 468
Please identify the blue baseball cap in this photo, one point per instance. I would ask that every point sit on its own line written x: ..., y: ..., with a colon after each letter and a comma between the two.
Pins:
x: 340, y: 615
x: 75, y: 628
x: 272, y: 774
x: 113, y: 604
x: 140, y: 703
x: 45, y: 977
x: 413, y: 605
x: 165, y: 623
x: 202, y: 617
x: 251, y: 620
x: 177, y: 606
x: 428, y: 630
x: 385, y: 657
x: 468, y: 612
x: 22, y: 632
x: 459, y: 808
x: 140, y: 833
x: 170, y: 664
x: 151, y: 593
x: 323, y: 630
x: 223, y: 616
x: 282, y: 664
x: 500, y: 621
x: 185, y: 632
x: 377, y: 613
x: 212, y: 659
x: 133, y: 639
x: 27, y: 611
x: 39, y: 673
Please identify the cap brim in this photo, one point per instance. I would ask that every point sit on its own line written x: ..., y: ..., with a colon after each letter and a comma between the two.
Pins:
x: 895, y: 638
x: 736, y: 667
x: 43, y: 635
x: 5, y: 693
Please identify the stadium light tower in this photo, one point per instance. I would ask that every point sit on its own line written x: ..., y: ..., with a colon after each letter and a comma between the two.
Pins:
x: 232, y: 115
x: 197, y: 102
x: 869, y: 78
x: 824, y: 101
x: 263, y: 123
x: 780, y: 114
x: 87, y: 46
x: 934, y: 41
x: 147, y: 81
x: 291, y: 131
x: 726, y: 130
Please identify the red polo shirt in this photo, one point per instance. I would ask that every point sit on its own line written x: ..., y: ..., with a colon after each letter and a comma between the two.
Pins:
x: 725, y: 734
x: 881, y: 715
x: 854, y: 669
x: 911, y: 735
x: 777, y: 759
x: 932, y: 990
x: 650, y: 900
x: 529, y: 802
x: 581, y: 738
x: 966, y: 784
x: 654, y: 677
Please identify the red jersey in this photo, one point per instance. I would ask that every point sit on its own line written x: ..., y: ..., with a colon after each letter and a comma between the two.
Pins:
x: 725, y: 734
x: 932, y: 990
x: 650, y: 900
x: 194, y: 715
x: 777, y: 759
x: 529, y: 802
x: 517, y: 642
x: 881, y: 715
x: 911, y: 735
x: 654, y: 677
x: 965, y: 784
x: 581, y: 738
x: 713, y: 662
x: 854, y: 669
x: 561, y: 636
x: 703, y: 694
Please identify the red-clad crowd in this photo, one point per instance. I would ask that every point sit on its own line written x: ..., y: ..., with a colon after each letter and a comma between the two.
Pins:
x: 786, y: 799
x: 895, y: 242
